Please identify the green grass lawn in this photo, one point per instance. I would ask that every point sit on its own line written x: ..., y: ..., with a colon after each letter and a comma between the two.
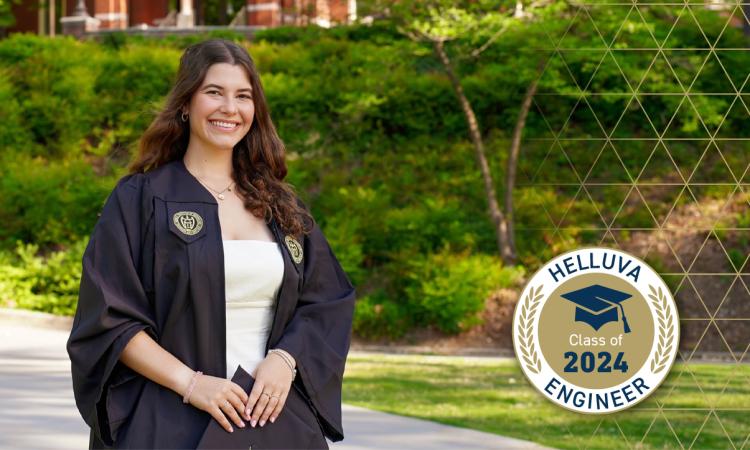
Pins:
x: 700, y: 406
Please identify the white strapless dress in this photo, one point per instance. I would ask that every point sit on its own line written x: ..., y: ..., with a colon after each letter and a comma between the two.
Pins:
x: 253, y: 274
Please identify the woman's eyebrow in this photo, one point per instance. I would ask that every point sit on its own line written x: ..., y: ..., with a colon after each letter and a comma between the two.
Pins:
x: 220, y: 87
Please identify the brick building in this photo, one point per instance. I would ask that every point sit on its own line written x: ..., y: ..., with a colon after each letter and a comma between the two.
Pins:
x: 53, y: 16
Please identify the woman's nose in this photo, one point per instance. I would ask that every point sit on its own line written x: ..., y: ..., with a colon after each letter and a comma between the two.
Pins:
x: 229, y: 105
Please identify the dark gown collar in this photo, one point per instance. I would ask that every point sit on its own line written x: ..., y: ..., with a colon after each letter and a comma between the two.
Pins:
x: 173, y: 182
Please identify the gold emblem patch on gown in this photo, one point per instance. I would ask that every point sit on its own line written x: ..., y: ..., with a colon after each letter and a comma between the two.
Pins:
x: 188, y: 222
x: 294, y: 248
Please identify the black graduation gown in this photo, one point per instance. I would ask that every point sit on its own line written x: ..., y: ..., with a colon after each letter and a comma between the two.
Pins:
x: 141, y: 272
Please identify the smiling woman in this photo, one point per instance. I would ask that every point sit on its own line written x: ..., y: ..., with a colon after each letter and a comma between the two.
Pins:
x: 222, y: 108
x: 218, y: 88
x: 209, y: 295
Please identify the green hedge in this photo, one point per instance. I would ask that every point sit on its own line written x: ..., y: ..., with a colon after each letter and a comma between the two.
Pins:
x: 48, y: 283
x: 377, y: 145
x: 446, y: 289
x: 49, y: 204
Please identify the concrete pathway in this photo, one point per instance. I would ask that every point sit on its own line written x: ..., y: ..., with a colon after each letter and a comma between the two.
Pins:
x: 369, y: 430
x: 38, y: 410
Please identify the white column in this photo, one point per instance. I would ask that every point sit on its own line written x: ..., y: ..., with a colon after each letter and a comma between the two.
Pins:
x: 352, y: 11
x: 186, y: 18
x: 322, y: 13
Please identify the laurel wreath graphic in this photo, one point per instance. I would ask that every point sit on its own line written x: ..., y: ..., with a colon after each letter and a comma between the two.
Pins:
x: 666, y: 329
x: 526, y: 330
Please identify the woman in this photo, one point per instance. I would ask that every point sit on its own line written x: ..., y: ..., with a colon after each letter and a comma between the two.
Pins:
x: 203, y: 264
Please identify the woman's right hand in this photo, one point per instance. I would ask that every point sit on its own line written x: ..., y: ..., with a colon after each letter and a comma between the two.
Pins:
x: 221, y: 398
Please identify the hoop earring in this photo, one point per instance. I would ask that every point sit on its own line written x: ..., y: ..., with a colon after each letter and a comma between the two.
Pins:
x: 184, y: 117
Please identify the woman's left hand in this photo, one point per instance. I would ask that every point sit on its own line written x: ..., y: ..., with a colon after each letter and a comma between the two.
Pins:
x: 273, y: 379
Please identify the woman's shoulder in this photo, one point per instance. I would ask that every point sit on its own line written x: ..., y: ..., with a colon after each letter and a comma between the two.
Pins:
x: 131, y: 181
x: 131, y: 186
x: 310, y: 224
x: 131, y: 194
x: 150, y: 182
x: 302, y: 204
x: 140, y: 179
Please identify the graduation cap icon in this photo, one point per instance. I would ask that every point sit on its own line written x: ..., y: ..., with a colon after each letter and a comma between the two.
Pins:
x: 597, y: 305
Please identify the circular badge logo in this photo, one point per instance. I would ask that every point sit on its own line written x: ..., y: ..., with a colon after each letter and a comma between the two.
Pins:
x: 188, y: 222
x: 596, y: 330
x: 295, y: 249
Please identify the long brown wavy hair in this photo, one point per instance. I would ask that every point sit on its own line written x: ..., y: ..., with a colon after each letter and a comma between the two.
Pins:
x: 257, y: 160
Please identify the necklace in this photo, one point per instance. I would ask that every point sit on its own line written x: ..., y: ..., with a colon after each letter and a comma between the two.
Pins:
x: 219, y: 194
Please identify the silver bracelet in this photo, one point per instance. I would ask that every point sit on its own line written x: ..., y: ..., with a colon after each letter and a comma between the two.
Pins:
x: 285, y: 357
x: 284, y: 354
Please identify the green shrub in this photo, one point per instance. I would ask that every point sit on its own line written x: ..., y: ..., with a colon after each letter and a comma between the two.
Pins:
x: 130, y: 85
x: 449, y: 289
x: 53, y: 80
x: 48, y: 284
x: 118, y: 40
x: 289, y: 34
x: 14, y: 134
x: 49, y: 203
x: 342, y: 234
x: 378, y: 31
x: 743, y: 219
x: 22, y: 46
x: 376, y: 316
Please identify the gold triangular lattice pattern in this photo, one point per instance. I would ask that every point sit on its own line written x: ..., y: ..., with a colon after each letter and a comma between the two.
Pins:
x: 675, y: 191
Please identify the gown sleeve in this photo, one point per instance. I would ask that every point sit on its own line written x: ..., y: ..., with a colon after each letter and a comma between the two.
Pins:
x: 319, y: 333
x: 112, y: 308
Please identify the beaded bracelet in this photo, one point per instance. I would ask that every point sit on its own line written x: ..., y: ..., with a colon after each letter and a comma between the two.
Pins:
x: 286, y: 357
x: 193, y: 381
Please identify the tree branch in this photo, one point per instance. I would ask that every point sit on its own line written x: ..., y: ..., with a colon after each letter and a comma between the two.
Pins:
x: 515, y: 150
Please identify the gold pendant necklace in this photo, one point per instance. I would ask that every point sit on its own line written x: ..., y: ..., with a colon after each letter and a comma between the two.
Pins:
x: 219, y: 194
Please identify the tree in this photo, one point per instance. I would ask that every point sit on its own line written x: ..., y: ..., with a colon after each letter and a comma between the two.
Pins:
x: 473, y: 26
x: 6, y: 13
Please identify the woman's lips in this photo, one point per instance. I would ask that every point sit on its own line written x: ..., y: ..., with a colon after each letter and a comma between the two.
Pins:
x: 224, y: 126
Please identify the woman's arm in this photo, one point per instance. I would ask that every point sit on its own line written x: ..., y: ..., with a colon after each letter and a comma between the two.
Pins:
x: 273, y: 376
x: 319, y: 332
x: 113, y: 306
x: 148, y: 358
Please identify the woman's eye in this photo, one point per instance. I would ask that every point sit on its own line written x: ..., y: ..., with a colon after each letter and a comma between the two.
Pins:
x: 212, y: 92
x: 246, y: 97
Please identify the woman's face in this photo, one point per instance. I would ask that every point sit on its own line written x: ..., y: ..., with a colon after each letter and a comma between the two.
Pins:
x: 221, y: 110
